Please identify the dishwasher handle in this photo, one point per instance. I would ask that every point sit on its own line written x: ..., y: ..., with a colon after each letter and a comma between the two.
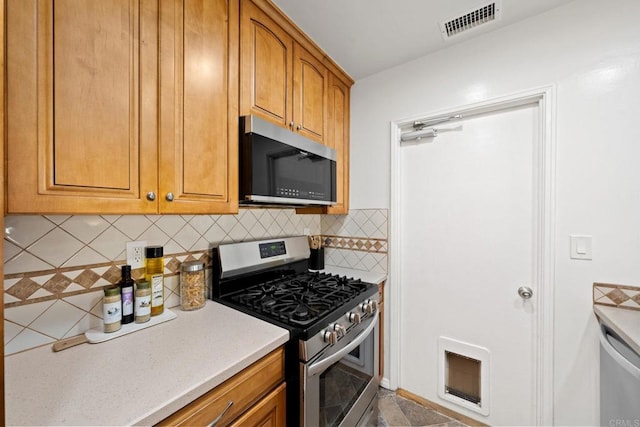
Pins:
x: 615, y: 354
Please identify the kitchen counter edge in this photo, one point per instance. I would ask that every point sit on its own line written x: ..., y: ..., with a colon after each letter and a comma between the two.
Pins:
x: 624, y: 322
x: 156, y: 371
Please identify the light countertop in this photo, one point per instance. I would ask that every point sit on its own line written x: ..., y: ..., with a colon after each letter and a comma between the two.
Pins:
x: 139, y: 378
x: 625, y: 323
x: 365, y: 276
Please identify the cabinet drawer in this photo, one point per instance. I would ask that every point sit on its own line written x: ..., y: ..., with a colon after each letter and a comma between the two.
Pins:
x: 269, y: 412
x: 244, y: 390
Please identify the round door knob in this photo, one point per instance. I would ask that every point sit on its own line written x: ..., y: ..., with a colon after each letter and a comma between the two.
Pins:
x: 291, y: 125
x: 525, y: 292
x: 151, y: 196
x: 299, y: 127
x: 169, y: 197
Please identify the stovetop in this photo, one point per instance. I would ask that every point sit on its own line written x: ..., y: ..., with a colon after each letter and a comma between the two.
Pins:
x: 277, y: 287
x: 301, y: 300
x: 304, y: 302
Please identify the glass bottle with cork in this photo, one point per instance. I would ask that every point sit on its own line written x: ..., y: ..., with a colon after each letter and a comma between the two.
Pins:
x: 154, y: 274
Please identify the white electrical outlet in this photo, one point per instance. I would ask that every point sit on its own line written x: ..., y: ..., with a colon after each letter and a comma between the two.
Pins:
x: 135, y: 253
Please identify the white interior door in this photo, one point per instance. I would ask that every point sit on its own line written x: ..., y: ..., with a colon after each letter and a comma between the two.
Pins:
x: 468, y: 217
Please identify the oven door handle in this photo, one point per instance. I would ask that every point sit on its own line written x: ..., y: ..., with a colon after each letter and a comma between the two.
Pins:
x: 321, y: 365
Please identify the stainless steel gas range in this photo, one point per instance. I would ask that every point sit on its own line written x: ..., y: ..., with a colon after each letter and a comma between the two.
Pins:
x: 332, y: 354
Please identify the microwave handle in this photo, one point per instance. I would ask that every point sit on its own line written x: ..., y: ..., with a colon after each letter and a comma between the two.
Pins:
x: 321, y: 365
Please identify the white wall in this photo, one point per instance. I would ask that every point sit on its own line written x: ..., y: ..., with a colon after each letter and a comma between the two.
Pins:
x: 590, y: 51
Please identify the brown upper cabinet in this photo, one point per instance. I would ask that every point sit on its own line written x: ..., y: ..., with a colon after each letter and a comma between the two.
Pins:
x: 122, y: 106
x: 286, y: 79
x: 281, y: 81
x: 339, y: 140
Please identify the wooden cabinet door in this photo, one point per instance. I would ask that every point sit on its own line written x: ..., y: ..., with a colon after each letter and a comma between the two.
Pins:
x: 248, y: 388
x: 2, y: 122
x: 310, y: 85
x: 198, y: 106
x: 338, y: 139
x: 269, y: 412
x: 266, y: 67
x: 82, y: 106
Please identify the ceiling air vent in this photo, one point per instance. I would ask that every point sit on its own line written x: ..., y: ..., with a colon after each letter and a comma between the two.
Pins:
x: 472, y: 19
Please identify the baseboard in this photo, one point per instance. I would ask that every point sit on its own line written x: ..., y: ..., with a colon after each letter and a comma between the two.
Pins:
x: 436, y: 407
x: 384, y: 383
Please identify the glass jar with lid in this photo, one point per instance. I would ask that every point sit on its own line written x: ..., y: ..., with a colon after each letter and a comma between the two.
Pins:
x: 192, y: 285
x: 112, y: 309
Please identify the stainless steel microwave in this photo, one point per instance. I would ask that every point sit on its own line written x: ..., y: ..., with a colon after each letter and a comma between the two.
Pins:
x: 280, y: 167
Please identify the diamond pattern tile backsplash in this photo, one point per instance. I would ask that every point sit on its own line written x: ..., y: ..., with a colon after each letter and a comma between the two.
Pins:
x: 55, y: 266
x: 620, y: 296
x: 358, y: 240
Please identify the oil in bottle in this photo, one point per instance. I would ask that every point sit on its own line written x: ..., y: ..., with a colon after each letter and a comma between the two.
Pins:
x: 126, y: 286
x: 154, y: 274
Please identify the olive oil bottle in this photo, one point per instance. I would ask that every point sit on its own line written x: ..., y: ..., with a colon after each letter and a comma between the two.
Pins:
x: 154, y: 274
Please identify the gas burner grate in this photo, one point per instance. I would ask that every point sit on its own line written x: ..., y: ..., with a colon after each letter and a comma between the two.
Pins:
x: 302, y: 299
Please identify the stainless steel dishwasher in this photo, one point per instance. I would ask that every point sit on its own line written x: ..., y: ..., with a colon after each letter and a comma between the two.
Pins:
x: 619, y: 381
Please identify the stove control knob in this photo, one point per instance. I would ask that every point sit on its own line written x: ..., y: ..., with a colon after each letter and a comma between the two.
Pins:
x: 374, y: 305
x: 330, y: 336
x: 340, y: 330
x: 366, y: 307
x: 354, y: 317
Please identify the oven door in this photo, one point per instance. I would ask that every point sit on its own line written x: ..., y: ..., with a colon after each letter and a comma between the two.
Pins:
x: 340, y: 389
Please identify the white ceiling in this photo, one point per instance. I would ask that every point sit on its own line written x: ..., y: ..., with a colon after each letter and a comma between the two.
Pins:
x: 368, y: 36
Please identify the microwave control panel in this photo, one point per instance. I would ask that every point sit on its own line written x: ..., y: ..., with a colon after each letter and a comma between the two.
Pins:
x: 294, y: 193
x: 288, y: 192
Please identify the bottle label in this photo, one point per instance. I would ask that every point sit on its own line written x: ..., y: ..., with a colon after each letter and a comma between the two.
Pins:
x: 111, y: 312
x: 127, y: 301
x: 143, y: 305
x: 157, y: 290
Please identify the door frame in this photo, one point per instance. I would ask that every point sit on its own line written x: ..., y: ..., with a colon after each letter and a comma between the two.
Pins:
x: 544, y: 238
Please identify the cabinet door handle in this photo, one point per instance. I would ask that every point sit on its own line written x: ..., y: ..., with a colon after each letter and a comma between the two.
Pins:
x: 219, y: 417
x: 299, y: 127
x: 151, y: 196
x: 169, y: 197
x: 291, y: 125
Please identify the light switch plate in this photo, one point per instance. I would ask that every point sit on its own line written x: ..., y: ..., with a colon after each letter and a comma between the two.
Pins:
x: 581, y: 247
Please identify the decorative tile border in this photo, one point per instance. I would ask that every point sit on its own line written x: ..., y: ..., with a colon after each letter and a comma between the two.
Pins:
x: 621, y: 296
x: 74, y: 303
x: 33, y: 287
x: 364, y: 244
x: 57, y: 265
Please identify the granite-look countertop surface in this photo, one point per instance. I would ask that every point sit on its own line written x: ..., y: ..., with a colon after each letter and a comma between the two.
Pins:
x: 139, y: 378
x: 625, y: 323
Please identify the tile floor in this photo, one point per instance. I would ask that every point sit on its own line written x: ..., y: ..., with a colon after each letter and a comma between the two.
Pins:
x: 396, y: 411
